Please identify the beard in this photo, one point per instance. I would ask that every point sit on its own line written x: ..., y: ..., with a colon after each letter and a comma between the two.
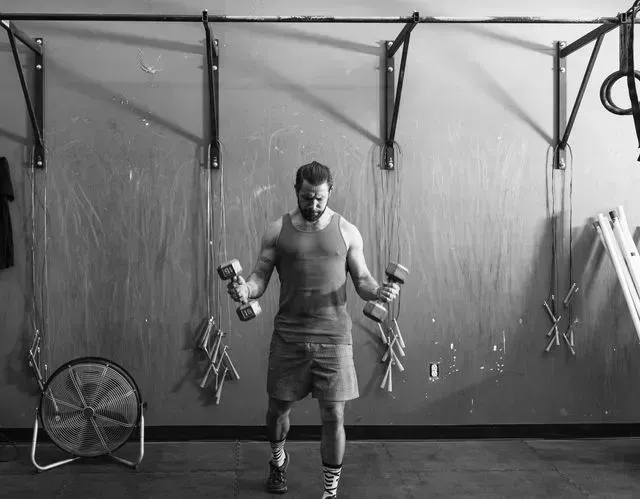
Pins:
x: 309, y: 214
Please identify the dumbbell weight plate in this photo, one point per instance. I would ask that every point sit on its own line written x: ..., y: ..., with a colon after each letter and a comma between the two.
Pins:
x: 375, y: 311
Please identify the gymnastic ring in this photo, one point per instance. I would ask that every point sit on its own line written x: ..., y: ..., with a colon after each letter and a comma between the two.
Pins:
x: 605, y: 93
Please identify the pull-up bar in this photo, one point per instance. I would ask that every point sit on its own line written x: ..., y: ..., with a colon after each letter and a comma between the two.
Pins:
x: 306, y: 19
x: 562, y: 132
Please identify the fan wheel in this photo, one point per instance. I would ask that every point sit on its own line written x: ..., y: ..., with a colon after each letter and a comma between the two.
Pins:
x: 90, y: 406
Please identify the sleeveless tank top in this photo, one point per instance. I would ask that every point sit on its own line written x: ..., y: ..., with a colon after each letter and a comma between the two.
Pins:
x: 312, y: 267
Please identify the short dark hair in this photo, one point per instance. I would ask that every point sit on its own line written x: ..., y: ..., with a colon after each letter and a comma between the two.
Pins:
x: 315, y: 173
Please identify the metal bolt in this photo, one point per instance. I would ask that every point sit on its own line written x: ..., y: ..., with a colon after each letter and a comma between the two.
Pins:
x: 563, y: 44
x: 390, y: 69
x: 39, y: 163
x: 39, y: 42
x: 562, y: 163
x: 215, y: 68
x: 38, y: 66
x: 562, y: 70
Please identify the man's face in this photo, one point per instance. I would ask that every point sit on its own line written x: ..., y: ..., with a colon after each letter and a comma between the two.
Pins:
x: 312, y: 200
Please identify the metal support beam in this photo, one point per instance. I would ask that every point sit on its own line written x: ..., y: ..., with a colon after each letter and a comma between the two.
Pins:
x: 560, y: 87
x: 21, y: 35
x: 588, y: 38
x: 393, y: 97
x: 40, y: 155
x: 36, y: 113
x: 23, y: 16
x: 406, y: 31
x: 562, y: 143
x: 214, y: 93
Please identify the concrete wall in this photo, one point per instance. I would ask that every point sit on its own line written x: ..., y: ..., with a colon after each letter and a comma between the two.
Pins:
x: 468, y: 210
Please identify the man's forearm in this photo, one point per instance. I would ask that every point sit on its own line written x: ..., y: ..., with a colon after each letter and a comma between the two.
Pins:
x: 256, y: 286
x: 367, y: 289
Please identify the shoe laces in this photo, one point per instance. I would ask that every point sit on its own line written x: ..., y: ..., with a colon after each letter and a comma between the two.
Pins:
x: 277, y: 474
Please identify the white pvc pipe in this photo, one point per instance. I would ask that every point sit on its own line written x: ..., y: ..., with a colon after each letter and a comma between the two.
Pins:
x: 631, y: 245
x: 604, y: 230
x: 625, y: 227
x: 631, y: 256
x: 386, y: 375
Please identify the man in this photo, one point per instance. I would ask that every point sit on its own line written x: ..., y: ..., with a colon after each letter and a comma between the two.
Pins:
x: 313, y: 248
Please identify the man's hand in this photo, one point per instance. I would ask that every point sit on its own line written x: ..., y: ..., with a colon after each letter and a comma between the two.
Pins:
x: 238, y: 289
x: 388, y: 292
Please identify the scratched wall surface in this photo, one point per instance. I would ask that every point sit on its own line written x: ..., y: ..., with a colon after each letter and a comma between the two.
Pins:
x: 469, y: 209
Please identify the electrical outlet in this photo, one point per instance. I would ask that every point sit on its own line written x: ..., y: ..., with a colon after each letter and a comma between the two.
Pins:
x: 434, y: 370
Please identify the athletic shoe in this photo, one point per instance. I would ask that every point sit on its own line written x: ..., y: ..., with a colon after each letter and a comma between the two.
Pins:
x: 277, y: 481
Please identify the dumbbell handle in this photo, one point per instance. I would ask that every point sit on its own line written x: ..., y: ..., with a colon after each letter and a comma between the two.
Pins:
x: 378, y: 300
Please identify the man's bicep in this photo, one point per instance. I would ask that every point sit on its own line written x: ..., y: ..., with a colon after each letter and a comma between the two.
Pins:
x: 265, y: 264
x: 267, y: 257
x: 355, y: 259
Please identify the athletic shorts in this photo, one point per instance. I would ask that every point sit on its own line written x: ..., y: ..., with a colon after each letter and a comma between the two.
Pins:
x: 325, y: 370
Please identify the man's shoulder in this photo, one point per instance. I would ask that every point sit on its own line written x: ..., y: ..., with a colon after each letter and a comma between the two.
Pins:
x: 273, y: 230
x: 349, y: 230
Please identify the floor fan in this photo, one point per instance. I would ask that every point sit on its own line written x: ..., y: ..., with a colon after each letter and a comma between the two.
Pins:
x: 89, y: 407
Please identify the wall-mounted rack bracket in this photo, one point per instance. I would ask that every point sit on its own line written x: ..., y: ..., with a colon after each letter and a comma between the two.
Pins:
x: 35, y: 106
x: 392, y: 104
x: 213, y: 65
x: 562, y: 51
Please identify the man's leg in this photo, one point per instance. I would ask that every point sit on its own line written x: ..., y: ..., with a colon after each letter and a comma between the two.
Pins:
x: 278, y: 422
x: 332, y: 445
x: 288, y: 380
x: 277, y: 429
x: 334, y: 383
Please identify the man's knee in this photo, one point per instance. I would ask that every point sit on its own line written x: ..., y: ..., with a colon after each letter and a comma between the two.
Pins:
x: 279, y: 409
x: 332, y: 413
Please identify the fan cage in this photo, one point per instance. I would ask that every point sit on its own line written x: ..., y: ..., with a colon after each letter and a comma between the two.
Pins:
x: 90, y: 406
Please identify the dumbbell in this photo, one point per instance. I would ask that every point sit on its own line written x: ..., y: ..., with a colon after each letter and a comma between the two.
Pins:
x: 376, y: 310
x: 230, y: 270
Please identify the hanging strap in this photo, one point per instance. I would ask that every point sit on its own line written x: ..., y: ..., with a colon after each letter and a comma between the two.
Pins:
x: 629, y: 26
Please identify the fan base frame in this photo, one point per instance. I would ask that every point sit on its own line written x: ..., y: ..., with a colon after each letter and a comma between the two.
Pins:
x: 126, y: 462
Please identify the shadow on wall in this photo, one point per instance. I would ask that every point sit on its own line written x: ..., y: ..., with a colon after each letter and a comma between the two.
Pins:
x: 77, y: 30
x: 17, y: 372
x: 475, y: 71
x: 298, y: 92
x: 25, y: 141
x: 97, y: 91
x: 287, y: 32
x: 10, y: 69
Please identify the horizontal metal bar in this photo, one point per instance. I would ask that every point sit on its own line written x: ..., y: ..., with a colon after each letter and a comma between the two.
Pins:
x: 588, y: 38
x: 22, y: 36
x: 23, y: 16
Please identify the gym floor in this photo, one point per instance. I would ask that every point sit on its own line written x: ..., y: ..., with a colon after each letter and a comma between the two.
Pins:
x: 393, y: 469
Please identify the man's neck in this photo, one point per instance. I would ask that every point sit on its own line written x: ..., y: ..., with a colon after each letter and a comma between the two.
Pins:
x: 300, y: 223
